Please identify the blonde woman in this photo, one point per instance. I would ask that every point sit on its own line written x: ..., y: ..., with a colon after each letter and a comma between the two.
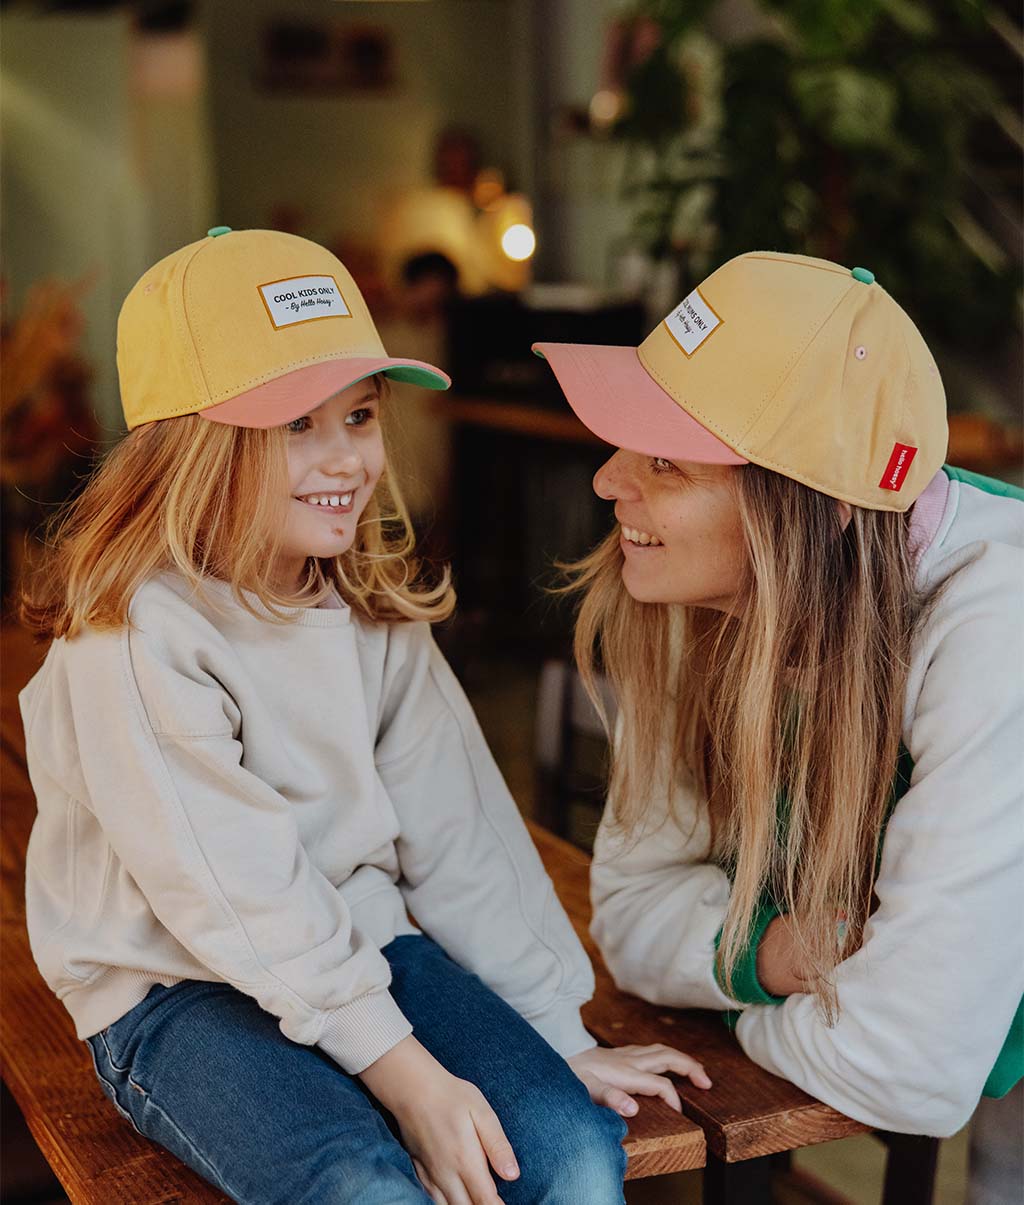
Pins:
x: 814, y: 631
x: 250, y: 759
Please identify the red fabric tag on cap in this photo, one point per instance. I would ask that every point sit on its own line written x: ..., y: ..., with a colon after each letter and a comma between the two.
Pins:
x: 896, y: 470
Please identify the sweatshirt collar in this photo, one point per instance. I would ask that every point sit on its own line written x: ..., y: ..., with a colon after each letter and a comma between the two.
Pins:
x: 334, y: 615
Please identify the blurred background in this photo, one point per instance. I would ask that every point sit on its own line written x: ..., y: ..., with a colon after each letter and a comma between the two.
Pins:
x: 495, y: 172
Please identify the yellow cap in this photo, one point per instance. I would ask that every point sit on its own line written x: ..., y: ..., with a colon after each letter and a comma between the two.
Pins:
x: 796, y: 364
x: 250, y: 327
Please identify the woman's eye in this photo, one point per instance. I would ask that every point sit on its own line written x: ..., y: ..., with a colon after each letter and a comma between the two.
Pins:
x: 297, y: 425
x: 662, y: 465
x: 360, y: 417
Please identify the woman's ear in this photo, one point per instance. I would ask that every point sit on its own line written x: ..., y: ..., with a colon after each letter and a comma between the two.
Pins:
x: 845, y: 513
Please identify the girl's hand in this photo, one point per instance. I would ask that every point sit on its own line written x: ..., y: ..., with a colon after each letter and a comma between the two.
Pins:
x: 778, y: 969
x: 611, y: 1074
x: 447, y: 1126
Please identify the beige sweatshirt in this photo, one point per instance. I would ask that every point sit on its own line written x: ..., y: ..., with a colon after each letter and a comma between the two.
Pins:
x: 224, y: 799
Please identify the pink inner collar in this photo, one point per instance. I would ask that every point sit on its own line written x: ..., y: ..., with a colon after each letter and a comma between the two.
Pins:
x: 926, y: 514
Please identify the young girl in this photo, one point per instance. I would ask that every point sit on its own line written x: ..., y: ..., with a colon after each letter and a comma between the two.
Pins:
x: 250, y: 758
x: 814, y: 632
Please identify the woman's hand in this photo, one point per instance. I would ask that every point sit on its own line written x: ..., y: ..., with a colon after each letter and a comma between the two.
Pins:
x: 448, y: 1128
x: 611, y: 1074
x: 779, y: 970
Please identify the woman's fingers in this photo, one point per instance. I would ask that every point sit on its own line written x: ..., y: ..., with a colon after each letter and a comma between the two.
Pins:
x: 496, y: 1146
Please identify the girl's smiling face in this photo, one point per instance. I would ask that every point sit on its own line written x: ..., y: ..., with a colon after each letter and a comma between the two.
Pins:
x: 680, y: 530
x: 335, y: 459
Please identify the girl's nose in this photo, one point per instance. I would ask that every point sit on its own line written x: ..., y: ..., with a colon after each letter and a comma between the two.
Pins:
x: 341, y: 455
x: 615, y: 479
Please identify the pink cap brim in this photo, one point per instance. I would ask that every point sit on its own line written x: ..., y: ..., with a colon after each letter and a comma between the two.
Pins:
x: 613, y: 394
x: 298, y: 392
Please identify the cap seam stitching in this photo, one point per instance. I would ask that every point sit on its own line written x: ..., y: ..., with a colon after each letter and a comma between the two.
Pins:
x: 911, y: 378
x: 196, y: 338
x: 778, y: 466
x: 274, y: 374
x: 799, y: 261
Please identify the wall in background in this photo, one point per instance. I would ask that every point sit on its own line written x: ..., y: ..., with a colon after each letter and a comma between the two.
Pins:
x: 583, y: 218
x: 339, y: 159
x: 72, y: 197
x: 105, y: 164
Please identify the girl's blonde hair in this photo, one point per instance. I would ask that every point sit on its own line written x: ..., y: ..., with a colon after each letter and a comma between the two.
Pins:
x: 785, y: 718
x: 208, y: 499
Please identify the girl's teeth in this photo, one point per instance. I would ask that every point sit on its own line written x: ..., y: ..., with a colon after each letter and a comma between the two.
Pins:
x: 329, y: 499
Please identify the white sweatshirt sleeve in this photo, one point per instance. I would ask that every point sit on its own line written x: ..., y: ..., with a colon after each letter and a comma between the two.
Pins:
x: 658, y: 906
x: 216, y: 850
x: 927, y: 1001
x: 470, y: 872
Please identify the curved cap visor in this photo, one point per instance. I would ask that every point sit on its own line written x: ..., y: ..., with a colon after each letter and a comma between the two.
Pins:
x: 296, y: 393
x: 613, y: 394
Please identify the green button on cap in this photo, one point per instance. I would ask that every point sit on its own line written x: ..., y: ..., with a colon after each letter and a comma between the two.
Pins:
x: 216, y: 231
x: 862, y: 274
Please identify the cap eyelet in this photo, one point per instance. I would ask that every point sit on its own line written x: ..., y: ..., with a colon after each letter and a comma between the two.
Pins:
x: 861, y: 353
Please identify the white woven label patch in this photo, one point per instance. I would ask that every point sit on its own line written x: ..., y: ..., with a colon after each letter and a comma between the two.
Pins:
x: 691, y: 322
x: 303, y: 299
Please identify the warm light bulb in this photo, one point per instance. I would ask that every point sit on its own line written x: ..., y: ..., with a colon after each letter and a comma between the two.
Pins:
x: 518, y: 242
x: 606, y: 108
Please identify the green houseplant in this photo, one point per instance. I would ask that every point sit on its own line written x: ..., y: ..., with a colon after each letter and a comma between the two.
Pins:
x: 842, y: 128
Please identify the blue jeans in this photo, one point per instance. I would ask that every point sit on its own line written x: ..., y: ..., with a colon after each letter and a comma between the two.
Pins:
x: 201, y: 1069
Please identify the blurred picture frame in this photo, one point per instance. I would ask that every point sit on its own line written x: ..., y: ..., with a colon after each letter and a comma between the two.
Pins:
x: 327, y: 58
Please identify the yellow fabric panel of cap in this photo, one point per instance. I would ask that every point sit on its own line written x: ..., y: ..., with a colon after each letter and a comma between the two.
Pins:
x: 792, y: 376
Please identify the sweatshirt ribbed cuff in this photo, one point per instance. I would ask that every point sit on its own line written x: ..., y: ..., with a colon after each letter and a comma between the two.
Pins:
x: 358, y: 1033
x: 746, y: 987
x: 563, y: 1028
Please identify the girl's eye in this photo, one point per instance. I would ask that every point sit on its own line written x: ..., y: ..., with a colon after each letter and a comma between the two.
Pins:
x: 297, y: 425
x: 360, y: 417
x: 662, y: 465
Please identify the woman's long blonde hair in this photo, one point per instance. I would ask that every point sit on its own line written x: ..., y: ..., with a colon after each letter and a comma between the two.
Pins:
x: 207, y: 500
x: 798, y: 698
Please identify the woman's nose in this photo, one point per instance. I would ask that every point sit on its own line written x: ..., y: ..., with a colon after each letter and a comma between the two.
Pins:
x: 615, y: 480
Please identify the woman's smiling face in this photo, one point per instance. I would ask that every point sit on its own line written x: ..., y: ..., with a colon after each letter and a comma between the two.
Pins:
x: 680, y: 530
x: 335, y: 459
